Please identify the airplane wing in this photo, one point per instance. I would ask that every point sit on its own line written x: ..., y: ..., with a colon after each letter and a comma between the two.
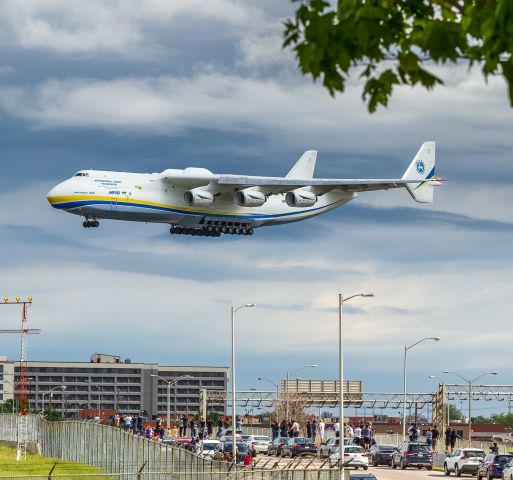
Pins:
x: 283, y: 185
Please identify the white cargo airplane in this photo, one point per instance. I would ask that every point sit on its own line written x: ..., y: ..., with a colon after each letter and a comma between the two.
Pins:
x: 195, y: 201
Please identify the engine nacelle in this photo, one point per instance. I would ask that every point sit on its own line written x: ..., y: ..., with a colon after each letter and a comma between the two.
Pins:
x: 249, y: 198
x: 300, y: 198
x: 197, y: 197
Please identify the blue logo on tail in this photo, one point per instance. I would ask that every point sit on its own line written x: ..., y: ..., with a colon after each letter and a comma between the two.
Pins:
x: 420, y: 166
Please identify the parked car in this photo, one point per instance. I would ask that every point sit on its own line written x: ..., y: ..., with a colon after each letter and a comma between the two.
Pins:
x: 259, y: 443
x: 507, y: 472
x: 299, y: 446
x: 381, y: 454
x: 328, y: 447
x: 464, y: 460
x: 354, y: 456
x: 413, y: 454
x: 206, y: 448
x: 363, y: 476
x: 276, y: 445
x: 226, y: 448
x: 227, y: 436
x: 493, y: 465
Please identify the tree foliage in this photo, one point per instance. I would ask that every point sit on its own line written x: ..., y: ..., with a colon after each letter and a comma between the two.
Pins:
x: 455, y: 413
x: 396, y: 42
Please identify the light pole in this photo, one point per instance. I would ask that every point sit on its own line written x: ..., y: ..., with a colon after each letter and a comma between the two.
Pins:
x: 169, y: 384
x: 62, y: 387
x: 442, y: 382
x: 287, y: 387
x: 99, y: 398
x: 436, y: 339
x: 341, y: 429
x: 234, y: 413
x: 262, y: 379
x: 470, y: 382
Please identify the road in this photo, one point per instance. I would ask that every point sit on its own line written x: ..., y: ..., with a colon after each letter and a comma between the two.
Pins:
x: 386, y: 473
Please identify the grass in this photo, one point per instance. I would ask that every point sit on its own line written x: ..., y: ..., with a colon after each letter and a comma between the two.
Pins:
x: 36, y: 465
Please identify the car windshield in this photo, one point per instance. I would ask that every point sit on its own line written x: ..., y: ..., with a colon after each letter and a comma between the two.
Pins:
x: 282, y: 440
x: 386, y: 448
x: 241, y: 447
x: 503, y: 458
x: 262, y: 439
x: 417, y: 448
x: 209, y: 446
x: 474, y: 453
x: 245, y: 437
x: 354, y: 450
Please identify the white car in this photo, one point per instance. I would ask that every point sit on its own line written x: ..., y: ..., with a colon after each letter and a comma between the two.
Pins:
x: 354, y: 457
x: 507, y: 473
x: 260, y: 443
x: 206, y: 448
x: 464, y: 460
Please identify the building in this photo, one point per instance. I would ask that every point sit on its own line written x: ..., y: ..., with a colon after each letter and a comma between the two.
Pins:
x: 108, y: 383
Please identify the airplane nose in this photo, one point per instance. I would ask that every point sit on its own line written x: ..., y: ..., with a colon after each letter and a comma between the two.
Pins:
x: 52, y: 195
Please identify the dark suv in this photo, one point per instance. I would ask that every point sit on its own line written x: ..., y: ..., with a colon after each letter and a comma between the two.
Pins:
x: 493, y: 465
x: 412, y: 454
x: 381, y: 454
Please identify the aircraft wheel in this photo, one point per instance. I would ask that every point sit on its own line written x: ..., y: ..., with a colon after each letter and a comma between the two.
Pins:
x: 96, y: 223
x: 250, y: 231
x: 85, y: 224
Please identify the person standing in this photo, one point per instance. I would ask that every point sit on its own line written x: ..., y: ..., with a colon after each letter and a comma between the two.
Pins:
x: 454, y: 435
x: 367, y: 434
x: 322, y: 426
x: 275, y: 428
x: 349, y: 431
x: 337, y: 428
x: 308, y: 429
x: 357, y: 435
x: 447, y: 440
x: 192, y: 426
x: 283, y: 428
x: 210, y: 428
x: 314, y: 429
x: 183, y: 426
x: 435, y: 435
x: 429, y: 437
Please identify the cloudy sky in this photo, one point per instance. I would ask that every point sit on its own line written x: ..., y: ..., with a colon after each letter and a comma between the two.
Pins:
x: 148, y: 85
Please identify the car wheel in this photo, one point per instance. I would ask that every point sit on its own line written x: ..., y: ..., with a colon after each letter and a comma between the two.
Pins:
x: 402, y: 465
x: 429, y: 468
x: 457, y: 471
x: 365, y: 468
x: 446, y: 470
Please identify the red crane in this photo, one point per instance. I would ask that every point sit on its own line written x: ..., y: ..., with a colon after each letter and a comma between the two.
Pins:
x: 21, y: 447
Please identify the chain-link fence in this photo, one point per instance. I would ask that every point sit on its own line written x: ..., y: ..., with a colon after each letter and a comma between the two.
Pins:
x: 123, y: 455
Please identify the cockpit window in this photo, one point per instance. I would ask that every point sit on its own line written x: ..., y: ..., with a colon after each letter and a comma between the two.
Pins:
x: 81, y: 174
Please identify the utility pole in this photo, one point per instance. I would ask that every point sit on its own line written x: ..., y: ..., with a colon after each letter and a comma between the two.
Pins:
x: 21, y: 422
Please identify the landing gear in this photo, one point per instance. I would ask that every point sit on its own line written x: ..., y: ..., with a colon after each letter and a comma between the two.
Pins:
x: 91, y: 223
x: 210, y: 230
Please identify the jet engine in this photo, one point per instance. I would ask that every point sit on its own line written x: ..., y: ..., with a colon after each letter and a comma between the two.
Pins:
x: 197, y: 197
x: 249, y: 198
x: 300, y: 198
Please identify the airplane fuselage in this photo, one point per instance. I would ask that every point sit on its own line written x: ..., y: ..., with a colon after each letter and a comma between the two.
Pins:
x: 149, y: 198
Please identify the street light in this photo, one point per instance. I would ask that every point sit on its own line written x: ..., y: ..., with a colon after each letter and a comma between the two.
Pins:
x: 341, y: 429
x: 262, y: 379
x: 62, y: 387
x: 442, y: 381
x: 287, y: 387
x: 436, y: 339
x: 169, y: 383
x: 470, y: 382
x: 99, y: 398
x: 234, y: 420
